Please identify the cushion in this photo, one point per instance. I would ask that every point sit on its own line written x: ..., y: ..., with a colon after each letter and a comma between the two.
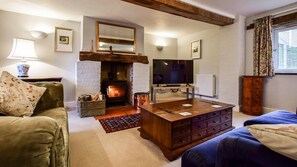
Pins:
x: 281, y: 138
x: 18, y: 98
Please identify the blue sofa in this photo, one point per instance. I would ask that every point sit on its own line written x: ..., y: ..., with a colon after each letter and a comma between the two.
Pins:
x: 238, y: 148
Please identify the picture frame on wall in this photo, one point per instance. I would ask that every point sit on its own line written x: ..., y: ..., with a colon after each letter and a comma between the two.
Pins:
x: 196, y: 49
x: 63, y: 39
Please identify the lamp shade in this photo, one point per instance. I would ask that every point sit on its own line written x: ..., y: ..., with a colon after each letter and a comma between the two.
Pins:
x: 23, y: 49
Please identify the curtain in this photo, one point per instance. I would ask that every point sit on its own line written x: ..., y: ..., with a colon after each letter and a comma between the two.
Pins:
x: 262, y: 51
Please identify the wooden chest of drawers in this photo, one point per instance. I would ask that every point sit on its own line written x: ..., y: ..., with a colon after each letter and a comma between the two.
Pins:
x: 252, y: 95
x: 174, y: 133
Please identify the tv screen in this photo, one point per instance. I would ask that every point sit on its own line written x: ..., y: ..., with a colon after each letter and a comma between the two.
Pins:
x: 167, y: 71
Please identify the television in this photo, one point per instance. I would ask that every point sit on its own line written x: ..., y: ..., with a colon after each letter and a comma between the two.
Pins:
x: 174, y: 72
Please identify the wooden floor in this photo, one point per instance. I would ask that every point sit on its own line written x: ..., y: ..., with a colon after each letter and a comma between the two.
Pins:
x: 118, y: 111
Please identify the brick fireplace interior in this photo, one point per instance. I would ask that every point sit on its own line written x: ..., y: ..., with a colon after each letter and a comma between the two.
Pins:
x: 93, y: 68
x: 116, y: 82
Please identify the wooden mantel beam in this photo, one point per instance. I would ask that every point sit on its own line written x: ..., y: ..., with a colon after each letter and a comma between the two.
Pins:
x: 113, y: 57
x: 184, y: 10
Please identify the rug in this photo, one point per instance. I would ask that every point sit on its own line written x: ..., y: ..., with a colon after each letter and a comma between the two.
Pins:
x: 120, y: 123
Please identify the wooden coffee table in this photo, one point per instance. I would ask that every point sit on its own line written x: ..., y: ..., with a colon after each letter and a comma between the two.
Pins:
x: 173, y: 133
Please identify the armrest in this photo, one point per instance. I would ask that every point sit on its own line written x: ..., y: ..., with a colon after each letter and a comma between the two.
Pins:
x: 30, y: 141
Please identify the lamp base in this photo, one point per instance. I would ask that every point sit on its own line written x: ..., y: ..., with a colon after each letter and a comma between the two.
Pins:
x: 23, y: 69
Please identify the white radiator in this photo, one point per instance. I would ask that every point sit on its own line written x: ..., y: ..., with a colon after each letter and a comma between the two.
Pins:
x: 206, y: 84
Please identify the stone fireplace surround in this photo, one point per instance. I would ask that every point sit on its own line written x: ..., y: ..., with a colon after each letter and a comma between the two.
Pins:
x: 88, y: 79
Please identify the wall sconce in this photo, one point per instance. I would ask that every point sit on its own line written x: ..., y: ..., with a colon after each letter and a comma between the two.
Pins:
x: 38, y: 34
x: 23, y: 49
x: 160, y: 45
x: 160, y: 48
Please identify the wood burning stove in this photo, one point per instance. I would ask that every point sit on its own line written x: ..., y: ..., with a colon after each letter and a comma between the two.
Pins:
x: 115, y: 92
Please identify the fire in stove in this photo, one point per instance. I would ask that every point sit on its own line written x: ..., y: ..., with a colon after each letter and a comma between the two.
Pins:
x: 114, y: 91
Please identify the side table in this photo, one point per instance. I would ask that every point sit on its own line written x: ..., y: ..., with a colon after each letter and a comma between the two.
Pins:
x: 39, y: 79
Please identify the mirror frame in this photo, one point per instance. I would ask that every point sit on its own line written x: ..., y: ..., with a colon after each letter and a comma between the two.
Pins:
x: 110, y: 24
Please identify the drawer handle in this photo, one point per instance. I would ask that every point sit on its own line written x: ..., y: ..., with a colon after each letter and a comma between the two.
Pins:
x: 226, y: 117
x: 214, y: 121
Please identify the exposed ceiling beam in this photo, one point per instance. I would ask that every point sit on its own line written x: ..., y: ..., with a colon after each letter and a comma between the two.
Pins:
x: 184, y: 10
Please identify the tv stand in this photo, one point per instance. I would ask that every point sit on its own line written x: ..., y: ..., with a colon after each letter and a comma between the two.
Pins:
x: 174, y: 85
x: 154, y: 88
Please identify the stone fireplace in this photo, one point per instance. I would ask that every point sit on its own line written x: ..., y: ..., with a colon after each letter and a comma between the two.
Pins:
x: 91, y: 75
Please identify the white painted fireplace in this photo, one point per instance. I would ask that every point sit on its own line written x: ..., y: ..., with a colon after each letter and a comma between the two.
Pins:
x: 88, y: 80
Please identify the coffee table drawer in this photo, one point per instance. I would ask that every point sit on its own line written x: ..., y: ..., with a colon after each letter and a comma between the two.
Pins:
x: 181, y: 123
x: 177, y: 142
x: 225, y: 118
x: 213, y: 130
x: 199, y: 125
x: 199, y: 118
x: 226, y: 125
x: 197, y: 135
x: 226, y: 112
x: 214, y: 114
x: 213, y: 121
x: 182, y: 131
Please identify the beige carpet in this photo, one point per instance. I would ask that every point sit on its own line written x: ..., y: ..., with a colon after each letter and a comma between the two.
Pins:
x: 90, y: 146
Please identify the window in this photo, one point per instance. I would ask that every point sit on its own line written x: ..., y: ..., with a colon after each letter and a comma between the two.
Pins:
x: 285, y: 50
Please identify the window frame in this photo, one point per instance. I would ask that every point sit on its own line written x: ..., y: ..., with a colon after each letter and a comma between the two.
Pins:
x: 275, y: 43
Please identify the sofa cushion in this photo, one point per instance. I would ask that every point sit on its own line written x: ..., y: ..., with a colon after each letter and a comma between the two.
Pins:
x: 18, y: 98
x: 281, y: 138
x: 53, y: 97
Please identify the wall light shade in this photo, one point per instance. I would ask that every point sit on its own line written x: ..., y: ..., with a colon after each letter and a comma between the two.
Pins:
x: 23, y: 49
x: 160, y: 45
x: 38, y: 34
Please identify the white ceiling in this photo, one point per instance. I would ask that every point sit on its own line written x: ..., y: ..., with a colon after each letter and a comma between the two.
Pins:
x: 154, y: 22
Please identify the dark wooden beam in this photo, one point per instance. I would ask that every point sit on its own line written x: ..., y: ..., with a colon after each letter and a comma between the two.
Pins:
x: 184, y: 10
x: 123, y: 58
x: 279, y: 20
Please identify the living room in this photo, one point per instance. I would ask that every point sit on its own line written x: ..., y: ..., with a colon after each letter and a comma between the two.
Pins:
x: 227, y: 52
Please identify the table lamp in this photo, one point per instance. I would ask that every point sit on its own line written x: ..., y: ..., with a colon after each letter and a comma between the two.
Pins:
x: 23, y: 49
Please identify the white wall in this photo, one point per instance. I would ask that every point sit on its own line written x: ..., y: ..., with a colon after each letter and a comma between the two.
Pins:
x: 231, y: 61
x: 280, y: 90
x: 223, y: 50
x: 89, y: 33
x: 209, y: 62
x: 14, y: 25
x: 168, y: 52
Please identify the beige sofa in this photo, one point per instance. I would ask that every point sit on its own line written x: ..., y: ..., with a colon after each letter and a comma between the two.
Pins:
x: 40, y: 140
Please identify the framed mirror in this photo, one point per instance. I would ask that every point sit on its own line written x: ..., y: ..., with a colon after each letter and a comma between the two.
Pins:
x: 120, y: 38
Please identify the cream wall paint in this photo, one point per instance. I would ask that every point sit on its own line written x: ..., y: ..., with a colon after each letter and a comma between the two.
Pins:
x: 89, y: 33
x: 51, y: 63
x: 231, y: 61
x: 209, y: 63
x: 223, y: 54
x: 279, y: 91
x: 169, y: 51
